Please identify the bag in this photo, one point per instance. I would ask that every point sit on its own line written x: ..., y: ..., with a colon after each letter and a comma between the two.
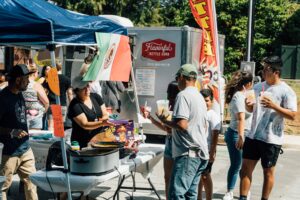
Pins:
x: 55, y: 157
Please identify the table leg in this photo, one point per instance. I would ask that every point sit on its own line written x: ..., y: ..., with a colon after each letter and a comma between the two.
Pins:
x: 153, y: 188
x: 119, y: 187
x: 133, y: 181
x: 141, y: 188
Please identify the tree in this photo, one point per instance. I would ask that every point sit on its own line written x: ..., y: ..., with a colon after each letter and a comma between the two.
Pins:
x: 276, y: 21
x: 290, y: 34
x: 232, y: 22
x: 90, y: 7
x: 269, y: 19
x: 177, y: 13
x: 144, y: 12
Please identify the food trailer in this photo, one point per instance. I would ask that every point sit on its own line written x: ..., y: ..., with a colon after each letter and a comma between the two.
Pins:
x: 158, y: 52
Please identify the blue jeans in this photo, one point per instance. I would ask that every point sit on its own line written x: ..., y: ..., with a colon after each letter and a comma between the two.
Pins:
x: 235, y: 155
x: 185, y: 177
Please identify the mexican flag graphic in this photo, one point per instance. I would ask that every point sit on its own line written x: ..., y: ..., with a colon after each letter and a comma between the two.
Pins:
x: 113, y: 60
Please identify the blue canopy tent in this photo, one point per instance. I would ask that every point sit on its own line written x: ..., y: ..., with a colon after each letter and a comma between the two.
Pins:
x: 39, y: 24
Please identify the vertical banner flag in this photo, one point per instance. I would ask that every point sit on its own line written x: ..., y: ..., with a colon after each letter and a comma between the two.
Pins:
x: 57, y: 120
x: 113, y: 60
x: 209, y: 64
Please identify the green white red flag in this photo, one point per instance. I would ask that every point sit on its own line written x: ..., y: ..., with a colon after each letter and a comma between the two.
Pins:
x: 113, y: 61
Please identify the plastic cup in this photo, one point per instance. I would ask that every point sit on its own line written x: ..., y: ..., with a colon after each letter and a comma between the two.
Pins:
x: 169, y: 116
x: 250, y: 96
x: 162, y: 107
x: 266, y: 94
x: 146, y: 110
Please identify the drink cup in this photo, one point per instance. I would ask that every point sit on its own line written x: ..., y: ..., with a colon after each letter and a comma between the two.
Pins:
x: 266, y: 94
x: 146, y: 110
x: 162, y: 107
x: 169, y: 116
x: 250, y: 96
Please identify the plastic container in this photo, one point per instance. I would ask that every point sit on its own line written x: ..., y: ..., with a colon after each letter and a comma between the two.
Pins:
x: 162, y: 106
x: 250, y: 95
x: 75, y: 146
x: 1, y: 147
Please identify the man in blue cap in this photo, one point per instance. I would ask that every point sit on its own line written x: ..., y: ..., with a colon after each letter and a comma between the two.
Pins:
x: 17, y: 155
x: 189, y: 129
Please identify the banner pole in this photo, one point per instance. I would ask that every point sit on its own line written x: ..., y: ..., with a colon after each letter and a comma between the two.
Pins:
x: 51, y: 48
x: 218, y: 59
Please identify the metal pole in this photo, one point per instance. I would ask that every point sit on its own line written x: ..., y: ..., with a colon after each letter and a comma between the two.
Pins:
x: 51, y: 48
x: 217, y: 57
x: 250, y: 23
x: 137, y: 105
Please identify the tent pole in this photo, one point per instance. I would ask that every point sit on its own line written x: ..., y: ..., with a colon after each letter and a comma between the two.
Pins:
x: 51, y: 49
x: 137, y: 105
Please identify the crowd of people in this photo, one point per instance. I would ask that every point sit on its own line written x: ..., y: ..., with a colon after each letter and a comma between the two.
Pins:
x: 25, y: 100
x: 255, y: 131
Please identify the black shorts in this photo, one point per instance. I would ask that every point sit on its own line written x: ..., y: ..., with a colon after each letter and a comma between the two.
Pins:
x: 256, y: 149
x: 207, y: 170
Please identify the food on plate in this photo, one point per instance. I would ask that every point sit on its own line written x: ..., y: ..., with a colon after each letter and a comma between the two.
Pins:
x: 106, y: 136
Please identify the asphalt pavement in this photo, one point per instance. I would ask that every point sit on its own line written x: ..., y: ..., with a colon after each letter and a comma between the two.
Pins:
x: 286, y: 186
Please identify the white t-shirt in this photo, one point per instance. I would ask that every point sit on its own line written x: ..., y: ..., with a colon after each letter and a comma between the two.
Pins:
x: 237, y: 105
x: 190, y: 105
x: 267, y: 124
x: 214, y: 123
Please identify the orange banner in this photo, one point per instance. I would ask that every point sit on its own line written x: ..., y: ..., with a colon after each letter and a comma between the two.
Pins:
x: 57, y: 121
x: 53, y: 81
x: 202, y: 12
x: 208, y: 65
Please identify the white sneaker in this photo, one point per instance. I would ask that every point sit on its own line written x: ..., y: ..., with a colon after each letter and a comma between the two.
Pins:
x: 228, y: 196
x: 249, y: 195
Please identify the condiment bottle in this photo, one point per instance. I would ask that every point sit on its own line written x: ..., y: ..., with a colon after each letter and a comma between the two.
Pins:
x: 75, y: 146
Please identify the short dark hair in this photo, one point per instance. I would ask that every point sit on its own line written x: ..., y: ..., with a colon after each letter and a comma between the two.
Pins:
x: 275, y: 63
x: 207, y: 93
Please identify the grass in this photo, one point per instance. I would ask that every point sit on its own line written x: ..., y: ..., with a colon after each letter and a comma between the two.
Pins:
x: 293, y: 127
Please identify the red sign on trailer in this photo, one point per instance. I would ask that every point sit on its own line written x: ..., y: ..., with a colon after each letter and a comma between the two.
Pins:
x: 158, y: 49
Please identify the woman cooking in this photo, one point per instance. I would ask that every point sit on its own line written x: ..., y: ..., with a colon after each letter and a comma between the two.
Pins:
x: 87, y: 113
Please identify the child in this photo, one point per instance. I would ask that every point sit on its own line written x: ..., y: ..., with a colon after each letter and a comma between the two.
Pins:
x: 214, y: 126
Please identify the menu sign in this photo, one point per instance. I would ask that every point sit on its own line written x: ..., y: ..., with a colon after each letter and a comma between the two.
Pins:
x: 158, y: 49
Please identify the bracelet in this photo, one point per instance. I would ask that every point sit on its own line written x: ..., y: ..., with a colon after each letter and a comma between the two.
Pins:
x: 11, y: 133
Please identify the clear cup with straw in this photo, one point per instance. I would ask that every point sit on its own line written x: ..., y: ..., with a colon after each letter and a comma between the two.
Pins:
x: 162, y: 107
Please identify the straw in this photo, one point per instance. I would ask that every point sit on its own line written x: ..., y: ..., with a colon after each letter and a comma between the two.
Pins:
x: 263, y: 88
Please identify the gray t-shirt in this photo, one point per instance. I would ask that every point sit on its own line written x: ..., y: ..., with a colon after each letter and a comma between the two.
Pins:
x: 190, y: 105
x: 214, y: 123
x: 237, y: 105
x: 267, y: 124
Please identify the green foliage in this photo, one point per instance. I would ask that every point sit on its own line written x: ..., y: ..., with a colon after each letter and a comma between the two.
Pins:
x: 290, y: 34
x: 144, y: 12
x: 277, y: 22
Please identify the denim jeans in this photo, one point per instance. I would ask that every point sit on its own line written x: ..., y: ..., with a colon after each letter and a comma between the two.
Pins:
x: 185, y: 177
x: 235, y: 155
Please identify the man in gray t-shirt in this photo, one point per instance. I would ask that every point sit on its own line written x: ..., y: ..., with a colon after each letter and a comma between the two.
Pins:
x: 275, y: 100
x: 189, y: 131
